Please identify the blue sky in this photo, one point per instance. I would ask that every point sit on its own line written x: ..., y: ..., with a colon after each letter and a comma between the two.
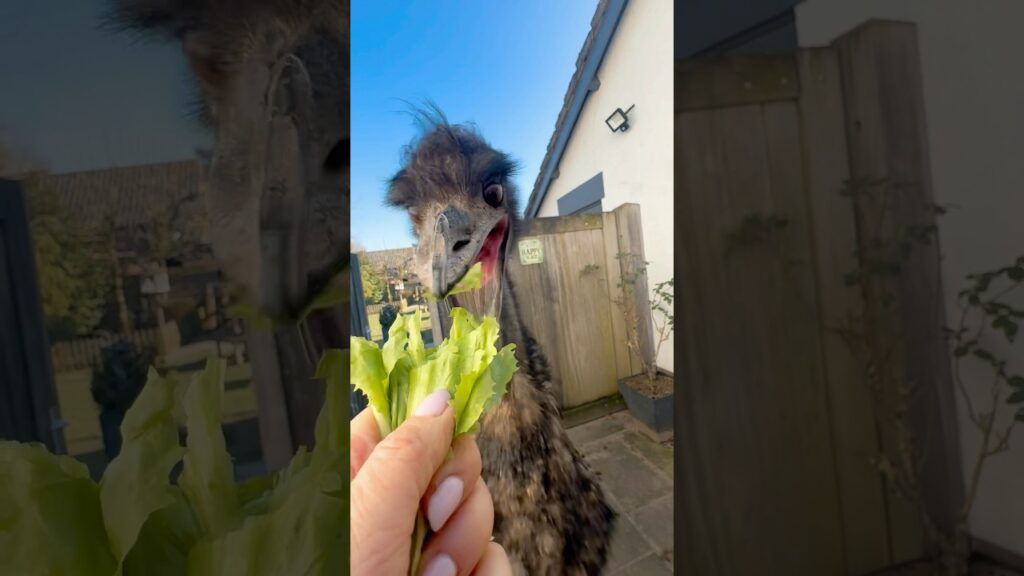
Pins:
x: 76, y: 97
x: 504, y: 66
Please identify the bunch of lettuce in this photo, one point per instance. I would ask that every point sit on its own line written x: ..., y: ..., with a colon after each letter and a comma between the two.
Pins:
x: 54, y: 520
x: 397, y: 377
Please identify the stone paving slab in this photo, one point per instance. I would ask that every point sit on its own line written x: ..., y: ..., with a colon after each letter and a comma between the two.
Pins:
x: 649, y: 565
x: 661, y: 456
x: 627, y: 544
x: 637, y: 475
x: 631, y: 479
x: 657, y: 522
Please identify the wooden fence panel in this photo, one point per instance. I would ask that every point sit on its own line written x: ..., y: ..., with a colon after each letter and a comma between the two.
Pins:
x: 769, y: 389
x: 585, y: 353
x: 834, y: 238
x: 753, y: 396
x: 887, y: 139
x: 566, y: 301
x: 84, y: 353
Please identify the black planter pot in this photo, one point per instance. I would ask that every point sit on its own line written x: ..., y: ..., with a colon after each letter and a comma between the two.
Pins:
x: 656, y: 413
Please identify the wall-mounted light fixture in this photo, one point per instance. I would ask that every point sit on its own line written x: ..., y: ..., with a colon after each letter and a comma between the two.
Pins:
x: 618, y: 121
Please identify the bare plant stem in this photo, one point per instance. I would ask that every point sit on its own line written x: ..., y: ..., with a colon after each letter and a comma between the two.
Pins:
x: 419, y: 535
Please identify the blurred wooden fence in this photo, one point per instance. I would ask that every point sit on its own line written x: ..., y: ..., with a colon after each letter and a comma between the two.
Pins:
x: 778, y: 432
x: 83, y: 353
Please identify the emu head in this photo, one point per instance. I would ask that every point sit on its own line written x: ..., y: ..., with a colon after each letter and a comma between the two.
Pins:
x: 272, y: 78
x: 462, y: 203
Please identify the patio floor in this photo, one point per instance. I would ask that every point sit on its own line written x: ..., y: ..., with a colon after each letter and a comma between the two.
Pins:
x: 636, y: 472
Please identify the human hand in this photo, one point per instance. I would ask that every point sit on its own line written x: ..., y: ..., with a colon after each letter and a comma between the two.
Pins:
x: 392, y: 478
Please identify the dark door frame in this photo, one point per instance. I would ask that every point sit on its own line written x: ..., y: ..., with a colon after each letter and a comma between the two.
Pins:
x: 360, y: 326
x: 28, y: 398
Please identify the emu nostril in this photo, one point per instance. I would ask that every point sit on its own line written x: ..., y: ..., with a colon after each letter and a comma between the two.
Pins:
x: 337, y: 157
x: 460, y: 245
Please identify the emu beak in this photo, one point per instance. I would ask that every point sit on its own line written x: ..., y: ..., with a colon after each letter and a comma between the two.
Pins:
x: 455, y: 247
x: 452, y: 233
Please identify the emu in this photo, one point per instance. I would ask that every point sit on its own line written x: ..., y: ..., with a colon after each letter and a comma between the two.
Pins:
x: 271, y: 78
x: 272, y: 83
x: 550, y: 511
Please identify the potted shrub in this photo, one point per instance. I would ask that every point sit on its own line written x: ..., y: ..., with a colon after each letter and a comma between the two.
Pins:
x: 649, y: 394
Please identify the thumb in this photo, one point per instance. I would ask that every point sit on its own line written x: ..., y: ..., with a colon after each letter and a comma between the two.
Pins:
x: 387, y: 490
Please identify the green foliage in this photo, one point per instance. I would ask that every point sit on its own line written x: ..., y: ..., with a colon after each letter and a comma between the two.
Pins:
x: 664, y: 295
x: 55, y: 520
x: 755, y: 229
x: 74, y: 284
x: 632, y: 270
x: 985, y: 305
x: 374, y: 284
x: 875, y: 335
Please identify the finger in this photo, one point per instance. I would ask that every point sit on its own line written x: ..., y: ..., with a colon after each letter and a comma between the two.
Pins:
x: 365, y: 436
x: 386, y: 492
x: 494, y: 563
x: 402, y: 464
x: 462, y: 541
x: 448, y: 487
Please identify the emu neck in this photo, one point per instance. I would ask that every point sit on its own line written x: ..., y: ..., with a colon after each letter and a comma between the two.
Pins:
x: 511, y: 322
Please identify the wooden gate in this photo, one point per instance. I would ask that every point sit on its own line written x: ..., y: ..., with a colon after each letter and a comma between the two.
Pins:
x: 778, y: 432
x: 566, y: 299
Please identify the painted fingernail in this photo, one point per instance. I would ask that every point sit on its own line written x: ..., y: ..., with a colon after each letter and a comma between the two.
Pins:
x: 434, y: 404
x: 444, y: 501
x: 441, y: 565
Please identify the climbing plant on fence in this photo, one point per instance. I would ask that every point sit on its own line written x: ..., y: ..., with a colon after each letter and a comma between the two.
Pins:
x: 874, y: 337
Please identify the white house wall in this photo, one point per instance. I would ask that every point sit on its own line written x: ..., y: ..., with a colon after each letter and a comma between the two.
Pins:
x: 974, y: 89
x: 637, y: 164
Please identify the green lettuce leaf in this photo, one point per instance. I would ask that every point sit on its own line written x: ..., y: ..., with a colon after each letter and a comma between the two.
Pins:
x: 252, y: 314
x: 473, y: 279
x: 301, y: 525
x: 50, y: 517
x: 165, y: 540
x: 55, y: 521
x: 487, y: 390
x: 398, y: 377
x: 334, y: 295
x: 207, y: 477
x: 370, y: 376
x: 137, y: 482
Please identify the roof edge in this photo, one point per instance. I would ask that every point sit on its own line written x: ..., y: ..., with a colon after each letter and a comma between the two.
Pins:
x: 592, y: 54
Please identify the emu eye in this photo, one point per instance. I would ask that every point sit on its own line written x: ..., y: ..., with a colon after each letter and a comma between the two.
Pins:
x: 494, y: 194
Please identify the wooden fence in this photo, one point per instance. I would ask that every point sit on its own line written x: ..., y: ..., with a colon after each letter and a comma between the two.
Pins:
x: 778, y: 433
x: 83, y: 353
x: 566, y: 300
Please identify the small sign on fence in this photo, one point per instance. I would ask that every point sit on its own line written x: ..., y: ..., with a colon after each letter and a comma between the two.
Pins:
x: 531, y: 251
